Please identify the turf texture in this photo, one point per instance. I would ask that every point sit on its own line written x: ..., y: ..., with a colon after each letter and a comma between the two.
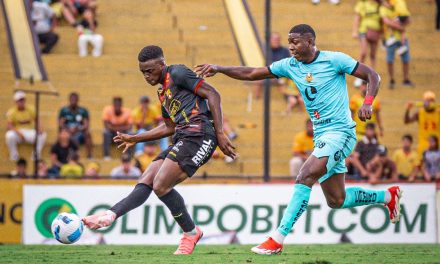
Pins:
x: 407, y: 253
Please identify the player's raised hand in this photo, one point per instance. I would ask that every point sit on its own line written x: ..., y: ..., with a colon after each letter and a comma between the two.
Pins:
x: 206, y: 70
x: 365, y: 112
x: 124, y: 141
x: 226, y: 146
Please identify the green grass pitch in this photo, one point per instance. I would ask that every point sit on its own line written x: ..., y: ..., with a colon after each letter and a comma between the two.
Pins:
x: 408, y: 253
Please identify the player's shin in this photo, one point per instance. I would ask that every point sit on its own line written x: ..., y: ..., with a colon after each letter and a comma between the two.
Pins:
x: 297, y: 205
x: 136, y: 198
x: 174, y: 201
x: 357, y: 196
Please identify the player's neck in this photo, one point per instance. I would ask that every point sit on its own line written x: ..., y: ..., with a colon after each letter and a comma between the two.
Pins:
x: 164, y: 73
x: 312, y: 56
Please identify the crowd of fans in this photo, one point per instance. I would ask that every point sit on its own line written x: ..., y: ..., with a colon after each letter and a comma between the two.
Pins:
x: 80, y: 14
x: 371, y: 161
x: 74, y: 130
x: 377, y: 22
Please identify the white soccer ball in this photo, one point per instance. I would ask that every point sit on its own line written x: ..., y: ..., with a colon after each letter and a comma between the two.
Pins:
x: 67, y: 228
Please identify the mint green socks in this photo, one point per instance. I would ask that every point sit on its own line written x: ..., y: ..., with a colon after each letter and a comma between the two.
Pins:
x: 297, y: 205
x: 357, y: 196
x: 354, y: 196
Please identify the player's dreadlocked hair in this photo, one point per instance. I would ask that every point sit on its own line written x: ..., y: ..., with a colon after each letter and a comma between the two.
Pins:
x: 150, y: 53
x: 303, y: 29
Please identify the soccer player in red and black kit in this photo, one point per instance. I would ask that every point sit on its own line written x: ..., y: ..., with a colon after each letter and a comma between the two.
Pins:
x: 192, y: 113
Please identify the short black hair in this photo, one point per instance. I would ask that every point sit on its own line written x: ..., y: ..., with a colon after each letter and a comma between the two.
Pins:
x: 150, y: 52
x: 117, y: 99
x: 303, y: 29
x: 74, y: 94
x: 21, y: 162
x: 408, y: 136
x: 370, y: 126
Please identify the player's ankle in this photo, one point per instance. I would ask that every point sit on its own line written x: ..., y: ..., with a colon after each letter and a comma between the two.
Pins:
x: 278, y: 237
x: 192, y: 232
x: 387, y: 198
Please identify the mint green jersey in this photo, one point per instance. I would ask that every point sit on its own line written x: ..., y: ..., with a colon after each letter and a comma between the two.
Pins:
x: 323, y: 87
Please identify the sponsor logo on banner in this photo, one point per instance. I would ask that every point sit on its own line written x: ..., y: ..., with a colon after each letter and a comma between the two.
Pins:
x: 244, y: 209
x: 10, y: 211
x: 48, y: 211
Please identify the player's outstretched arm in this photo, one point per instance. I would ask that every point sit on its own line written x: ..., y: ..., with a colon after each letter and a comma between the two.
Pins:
x: 235, y: 72
x: 210, y: 93
x: 372, y: 77
x: 126, y: 141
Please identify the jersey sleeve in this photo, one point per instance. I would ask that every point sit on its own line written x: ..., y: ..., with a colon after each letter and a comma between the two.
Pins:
x: 279, y: 68
x: 86, y: 113
x: 358, y: 7
x: 383, y: 12
x: 344, y: 63
x: 106, y: 114
x: 165, y: 114
x: 185, y: 78
x: 10, y: 115
x: 61, y: 113
x: 298, y: 143
x: 353, y: 104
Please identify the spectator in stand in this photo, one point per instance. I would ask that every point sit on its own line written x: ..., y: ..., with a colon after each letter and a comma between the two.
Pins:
x: 407, y: 160
x: 365, y: 151
x: 431, y: 160
x: 21, y: 128
x: 20, y: 169
x: 44, y: 21
x: 356, y: 102
x: 428, y: 118
x: 60, y: 151
x: 145, y: 117
x: 72, y: 169
x: 42, y: 170
x: 393, y: 30
x: 76, y: 120
x: 87, y: 35
x: 278, y: 53
x: 367, y: 28
x: 85, y: 8
x: 116, y: 119
x: 147, y: 156
x: 57, y: 7
x: 302, y: 148
x: 381, y: 169
x: 92, y: 171
x: 126, y: 169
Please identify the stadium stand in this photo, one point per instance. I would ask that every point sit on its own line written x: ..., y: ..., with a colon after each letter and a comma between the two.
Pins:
x: 190, y: 37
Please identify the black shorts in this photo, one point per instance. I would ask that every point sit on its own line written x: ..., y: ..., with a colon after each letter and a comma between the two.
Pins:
x: 190, y: 151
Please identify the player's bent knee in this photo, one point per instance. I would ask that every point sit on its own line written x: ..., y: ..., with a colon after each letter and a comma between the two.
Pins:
x: 146, y: 179
x: 335, y: 202
x: 307, y: 176
x: 305, y: 179
x: 161, y: 190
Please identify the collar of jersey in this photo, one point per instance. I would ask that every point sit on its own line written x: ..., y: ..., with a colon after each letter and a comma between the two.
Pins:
x: 316, y: 56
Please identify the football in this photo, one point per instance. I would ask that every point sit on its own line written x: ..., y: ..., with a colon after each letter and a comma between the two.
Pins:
x: 67, y: 228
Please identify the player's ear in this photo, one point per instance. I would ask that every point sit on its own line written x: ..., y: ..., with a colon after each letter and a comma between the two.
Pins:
x: 310, y: 42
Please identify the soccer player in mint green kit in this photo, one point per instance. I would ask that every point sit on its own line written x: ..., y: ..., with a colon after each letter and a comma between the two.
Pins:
x: 320, y: 77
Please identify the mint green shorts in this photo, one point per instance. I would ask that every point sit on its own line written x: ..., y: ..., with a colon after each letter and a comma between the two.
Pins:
x: 336, y: 146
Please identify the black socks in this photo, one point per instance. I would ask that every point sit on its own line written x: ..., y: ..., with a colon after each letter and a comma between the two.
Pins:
x: 136, y: 198
x: 174, y: 201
